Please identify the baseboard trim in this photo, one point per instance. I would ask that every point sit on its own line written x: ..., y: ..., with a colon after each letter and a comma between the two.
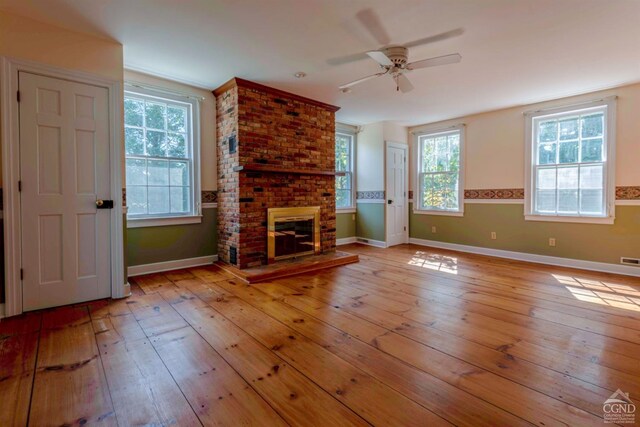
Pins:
x: 539, y: 259
x: 371, y: 242
x: 137, y: 270
x: 345, y: 241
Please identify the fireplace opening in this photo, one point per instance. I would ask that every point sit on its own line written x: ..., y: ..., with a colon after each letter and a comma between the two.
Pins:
x: 293, y: 232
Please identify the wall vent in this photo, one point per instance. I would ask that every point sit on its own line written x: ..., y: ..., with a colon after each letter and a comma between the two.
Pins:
x: 233, y: 255
x: 630, y: 261
x: 360, y: 239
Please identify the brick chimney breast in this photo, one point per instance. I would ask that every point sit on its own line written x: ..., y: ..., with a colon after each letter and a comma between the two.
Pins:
x: 274, y: 150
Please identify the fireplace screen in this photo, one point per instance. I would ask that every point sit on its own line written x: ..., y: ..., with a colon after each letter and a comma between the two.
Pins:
x: 293, y: 232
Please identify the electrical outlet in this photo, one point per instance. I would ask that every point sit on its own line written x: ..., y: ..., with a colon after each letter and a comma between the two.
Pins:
x: 493, y: 235
x: 552, y: 241
x: 353, y: 217
x: 433, y: 229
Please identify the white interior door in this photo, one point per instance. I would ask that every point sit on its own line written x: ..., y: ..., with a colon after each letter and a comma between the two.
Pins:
x: 396, y: 192
x: 64, y: 170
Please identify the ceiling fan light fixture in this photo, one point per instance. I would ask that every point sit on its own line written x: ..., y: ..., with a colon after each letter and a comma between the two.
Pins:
x: 300, y: 75
x: 346, y: 90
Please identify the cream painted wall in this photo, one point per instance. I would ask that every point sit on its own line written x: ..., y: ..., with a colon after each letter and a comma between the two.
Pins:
x: 495, y: 141
x: 26, y: 39
x: 208, y: 162
x: 370, y: 158
x: 394, y: 132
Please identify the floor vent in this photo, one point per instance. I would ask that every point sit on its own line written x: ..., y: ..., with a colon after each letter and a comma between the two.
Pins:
x: 630, y: 261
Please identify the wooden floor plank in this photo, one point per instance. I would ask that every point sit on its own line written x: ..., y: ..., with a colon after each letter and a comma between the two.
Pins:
x: 218, y: 395
x: 410, y: 335
x: 478, y: 382
x: 142, y: 389
x: 18, y: 349
x: 70, y: 387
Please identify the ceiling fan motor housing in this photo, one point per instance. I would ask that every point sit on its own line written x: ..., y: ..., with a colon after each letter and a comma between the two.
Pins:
x: 397, y: 55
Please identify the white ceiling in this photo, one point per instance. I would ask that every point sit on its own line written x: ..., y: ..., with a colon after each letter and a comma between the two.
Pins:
x: 514, y: 51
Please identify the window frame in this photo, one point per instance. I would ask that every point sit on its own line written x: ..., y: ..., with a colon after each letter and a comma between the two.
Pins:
x: 417, y: 148
x: 608, y: 106
x: 352, y: 147
x: 194, y: 216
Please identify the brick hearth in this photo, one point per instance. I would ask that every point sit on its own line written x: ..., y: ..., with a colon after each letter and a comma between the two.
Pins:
x: 275, y: 149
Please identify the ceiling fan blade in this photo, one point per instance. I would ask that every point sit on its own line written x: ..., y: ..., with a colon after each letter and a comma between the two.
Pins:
x: 434, y: 62
x: 364, y: 79
x: 379, y: 57
x: 369, y: 19
x: 435, y: 38
x: 403, y: 84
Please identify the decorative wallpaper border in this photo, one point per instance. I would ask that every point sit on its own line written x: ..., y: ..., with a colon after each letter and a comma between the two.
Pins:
x: 628, y: 193
x: 501, y: 193
x: 369, y: 195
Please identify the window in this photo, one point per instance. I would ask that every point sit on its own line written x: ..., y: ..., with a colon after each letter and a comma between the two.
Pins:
x: 440, y: 172
x: 344, y: 164
x: 569, y: 169
x: 161, y: 148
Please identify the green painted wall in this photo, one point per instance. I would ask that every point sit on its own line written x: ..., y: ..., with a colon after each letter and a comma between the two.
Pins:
x: 345, y: 225
x: 590, y: 242
x: 147, y: 245
x: 370, y: 221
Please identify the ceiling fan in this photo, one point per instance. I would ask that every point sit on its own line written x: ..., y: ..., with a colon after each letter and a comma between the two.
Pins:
x: 394, y: 60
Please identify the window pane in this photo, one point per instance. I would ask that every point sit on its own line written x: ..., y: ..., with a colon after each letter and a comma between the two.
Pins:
x: 592, y: 150
x: 451, y: 201
x: 342, y: 154
x: 154, y: 115
x: 592, y: 125
x: 548, y: 131
x: 158, y: 172
x: 343, y: 198
x: 569, y: 152
x: 133, y: 141
x: 546, y: 154
x: 568, y: 201
x: 454, y: 157
x: 179, y: 173
x: 568, y: 177
x: 133, y: 112
x: 442, y: 154
x: 591, y: 202
x: 591, y: 177
x: 546, y: 201
x: 179, y: 199
x: 158, y: 200
x: 176, y: 145
x: 546, y: 179
x: 136, y: 172
x: 136, y: 200
x: 569, y: 129
x: 177, y: 119
x: 343, y: 182
x: 428, y: 156
x: 156, y: 143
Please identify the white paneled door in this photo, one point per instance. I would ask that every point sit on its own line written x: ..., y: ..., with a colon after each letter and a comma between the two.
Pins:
x: 396, y: 192
x: 64, y: 171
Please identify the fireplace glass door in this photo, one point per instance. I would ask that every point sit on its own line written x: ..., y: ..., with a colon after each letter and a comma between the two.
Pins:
x: 293, y: 237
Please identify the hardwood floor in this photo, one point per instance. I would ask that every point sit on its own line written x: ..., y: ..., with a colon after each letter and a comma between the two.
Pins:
x: 408, y: 336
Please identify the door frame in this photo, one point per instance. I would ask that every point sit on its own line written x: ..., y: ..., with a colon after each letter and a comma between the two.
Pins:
x: 405, y: 147
x: 10, y: 140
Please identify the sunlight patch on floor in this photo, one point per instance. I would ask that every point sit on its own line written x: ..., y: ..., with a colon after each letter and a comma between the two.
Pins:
x: 603, y: 293
x: 443, y: 263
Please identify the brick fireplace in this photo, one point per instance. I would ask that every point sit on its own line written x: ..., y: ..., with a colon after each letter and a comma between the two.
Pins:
x: 275, y: 150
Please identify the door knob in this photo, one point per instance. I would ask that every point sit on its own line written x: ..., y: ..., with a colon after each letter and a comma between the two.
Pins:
x: 389, y: 202
x: 104, y: 204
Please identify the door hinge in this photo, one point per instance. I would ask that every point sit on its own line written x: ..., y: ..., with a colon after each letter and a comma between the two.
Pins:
x: 21, y: 274
x: 19, y: 186
x: 18, y: 96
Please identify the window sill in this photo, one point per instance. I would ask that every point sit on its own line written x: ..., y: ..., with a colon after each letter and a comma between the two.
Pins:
x: 433, y: 212
x: 345, y: 210
x: 577, y: 219
x: 160, y: 222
